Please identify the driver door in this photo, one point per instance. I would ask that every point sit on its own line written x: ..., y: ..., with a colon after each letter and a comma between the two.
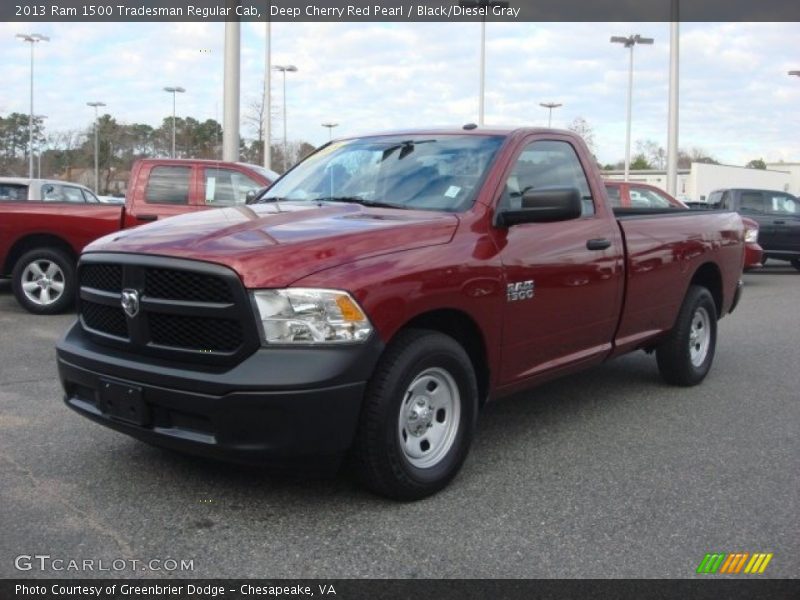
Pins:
x: 573, y: 270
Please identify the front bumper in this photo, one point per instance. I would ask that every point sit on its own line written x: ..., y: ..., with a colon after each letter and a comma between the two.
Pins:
x: 279, y: 406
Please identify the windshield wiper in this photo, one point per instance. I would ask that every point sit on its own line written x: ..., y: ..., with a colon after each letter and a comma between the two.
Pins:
x: 407, y: 148
x: 358, y: 200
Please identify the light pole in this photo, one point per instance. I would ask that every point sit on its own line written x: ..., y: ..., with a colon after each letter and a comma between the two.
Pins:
x: 795, y: 73
x: 39, y: 153
x: 96, y: 105
x: 672, y: 115
x: 32, y: 39
x: 629, y: 42
x: 485, y: 5
x: 330, y: 127
x: 549, y: 106
x: 266, y: 109
x: 173, y: 91
x: 283, y: 69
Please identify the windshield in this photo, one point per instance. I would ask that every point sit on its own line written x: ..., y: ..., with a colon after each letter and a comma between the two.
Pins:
x: 427, y: 172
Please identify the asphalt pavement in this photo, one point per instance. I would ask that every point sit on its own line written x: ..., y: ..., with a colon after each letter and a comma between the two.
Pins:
x: 610, y: 473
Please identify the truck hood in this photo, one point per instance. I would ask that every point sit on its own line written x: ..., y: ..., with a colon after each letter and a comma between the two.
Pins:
x: 271, y: 245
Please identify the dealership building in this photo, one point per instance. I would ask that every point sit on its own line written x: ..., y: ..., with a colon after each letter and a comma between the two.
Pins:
x: 695, y: 183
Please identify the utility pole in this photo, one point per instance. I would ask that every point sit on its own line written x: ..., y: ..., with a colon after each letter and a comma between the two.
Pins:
x: 549, y: 106
x: 96, y: 105
x: 230, y: 106
x: 32, y: 39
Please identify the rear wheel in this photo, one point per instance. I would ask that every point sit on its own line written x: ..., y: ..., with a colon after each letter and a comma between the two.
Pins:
x: 685, y: 356
x: 43, y: 281
x: 418, y: 418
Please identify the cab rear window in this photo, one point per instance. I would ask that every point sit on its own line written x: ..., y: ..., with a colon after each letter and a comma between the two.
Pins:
x: 168, y: 185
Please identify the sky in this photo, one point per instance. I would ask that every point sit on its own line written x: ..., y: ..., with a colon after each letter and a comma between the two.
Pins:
x: 737, y: 101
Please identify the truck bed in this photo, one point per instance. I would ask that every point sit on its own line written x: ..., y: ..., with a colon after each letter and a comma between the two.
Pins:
x: 664, y: 249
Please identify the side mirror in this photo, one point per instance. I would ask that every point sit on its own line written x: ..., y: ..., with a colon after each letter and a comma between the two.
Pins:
x: 543, y: 205
x: 252, y: 195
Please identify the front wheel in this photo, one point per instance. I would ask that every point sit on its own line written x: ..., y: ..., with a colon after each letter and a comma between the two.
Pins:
x: 43, y: 281
x: 418, y: 417
x: 685, y: 356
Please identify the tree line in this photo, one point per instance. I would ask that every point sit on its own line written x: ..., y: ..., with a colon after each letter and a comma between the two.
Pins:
x: 58, y: 154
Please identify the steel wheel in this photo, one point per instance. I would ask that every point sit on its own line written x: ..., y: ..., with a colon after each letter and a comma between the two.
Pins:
x: 43, y: 282
x: 429, y: 417
x: 699, y: 336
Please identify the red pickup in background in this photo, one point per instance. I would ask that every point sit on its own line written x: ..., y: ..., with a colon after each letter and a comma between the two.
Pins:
x: 40, y: 239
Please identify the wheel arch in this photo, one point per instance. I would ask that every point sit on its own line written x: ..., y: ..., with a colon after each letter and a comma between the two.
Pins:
x: 465, y: 330
x: 33, y: 241
x: 709, y: 276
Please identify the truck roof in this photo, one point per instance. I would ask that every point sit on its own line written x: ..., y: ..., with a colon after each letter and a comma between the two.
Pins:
x: 467, y: 129
x: 27, y: 181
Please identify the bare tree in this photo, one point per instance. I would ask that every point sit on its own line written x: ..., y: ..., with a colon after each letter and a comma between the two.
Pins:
x: 582, y: 127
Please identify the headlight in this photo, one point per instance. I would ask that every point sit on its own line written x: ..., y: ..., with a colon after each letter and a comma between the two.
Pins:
x: 310, y: 316
x: 751, y: 236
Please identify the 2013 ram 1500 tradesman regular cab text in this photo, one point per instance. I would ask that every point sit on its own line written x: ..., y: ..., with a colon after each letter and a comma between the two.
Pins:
x: 381, y: 291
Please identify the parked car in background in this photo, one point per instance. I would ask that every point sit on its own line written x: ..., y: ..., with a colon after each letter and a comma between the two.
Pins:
x: 44, y: 225
x: 380, y: 292
x: 753, y: 252
x: 111, y: 199
x: 777, y: 214
x: 642, y: 195
x: 18, y: 189
x: 639, y: 195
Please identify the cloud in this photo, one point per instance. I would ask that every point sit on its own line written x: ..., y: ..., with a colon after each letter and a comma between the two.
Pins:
x: 736, y: 100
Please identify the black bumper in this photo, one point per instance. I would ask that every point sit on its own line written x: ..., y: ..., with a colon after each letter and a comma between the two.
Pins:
x: 278, y: 407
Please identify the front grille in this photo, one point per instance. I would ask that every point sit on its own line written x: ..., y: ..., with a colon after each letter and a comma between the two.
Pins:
x: 184, y: 285
x: 196, y: 311
x: 196, y: 333
x: 102, y: 277
x: 105, y: 319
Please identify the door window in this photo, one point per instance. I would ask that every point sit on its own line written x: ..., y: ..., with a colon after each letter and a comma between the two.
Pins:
x: 546, y: 164
x: 752, y: 202
x: 168, y: 185
x: 782, y: 204
x: 642, y: 197
x: 55, y: 192
x: 12, y: 192
x: 226, y: 187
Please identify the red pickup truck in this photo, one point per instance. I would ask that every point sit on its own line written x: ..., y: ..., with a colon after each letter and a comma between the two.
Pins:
x: 380, y: 292
x: 43, y: 228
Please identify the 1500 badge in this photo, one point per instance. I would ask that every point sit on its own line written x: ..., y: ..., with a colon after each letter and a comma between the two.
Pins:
x: 521, y: 290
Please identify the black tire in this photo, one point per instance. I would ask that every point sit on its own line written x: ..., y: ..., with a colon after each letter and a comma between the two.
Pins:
x: 55, y: 300
x: 796, y: 263
x: 380, y: 456
x: 676, y: 361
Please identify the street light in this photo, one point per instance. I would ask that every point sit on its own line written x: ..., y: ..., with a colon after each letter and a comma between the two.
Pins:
x: 173, y: 91
x: 31, y: 38
x: 629, y: 42
x: 39, y: 153
x: 96, y: 105
x: 795, y: 73
x: 283, y: 69
x: 550, y: 106
x: 486, y: 5
x: 330, y: 127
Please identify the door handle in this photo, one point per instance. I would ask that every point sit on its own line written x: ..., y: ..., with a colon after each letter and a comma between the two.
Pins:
x: 598, y: 244
x: 147, y: 217
x: 779, y: 222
